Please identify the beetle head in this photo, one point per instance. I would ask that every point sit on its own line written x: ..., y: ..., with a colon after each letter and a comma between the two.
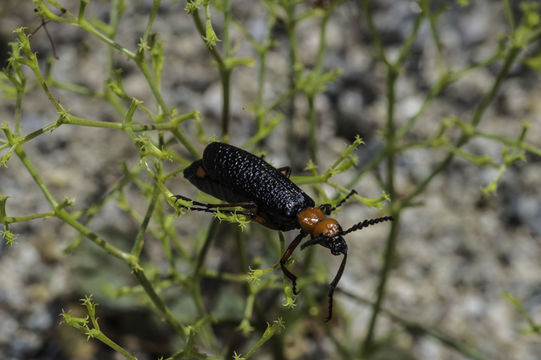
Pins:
x: 328, y: 233
x: 336, y: 244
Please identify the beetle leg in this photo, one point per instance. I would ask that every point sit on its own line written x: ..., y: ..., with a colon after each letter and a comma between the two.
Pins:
x: 286, y: 256
x: 286, y: 170
x: 247, y: 213
x: 246, y: 204
x: 334, y: 283
x: 251, y: 211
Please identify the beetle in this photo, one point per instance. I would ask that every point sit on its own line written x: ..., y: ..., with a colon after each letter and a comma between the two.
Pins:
x: 270, y: 198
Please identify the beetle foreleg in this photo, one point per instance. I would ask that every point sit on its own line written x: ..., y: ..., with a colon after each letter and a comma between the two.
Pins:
x: 286, y: 256
x: 334, y: 283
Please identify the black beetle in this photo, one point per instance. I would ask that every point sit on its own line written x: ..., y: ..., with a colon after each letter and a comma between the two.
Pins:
x: 270, y: 198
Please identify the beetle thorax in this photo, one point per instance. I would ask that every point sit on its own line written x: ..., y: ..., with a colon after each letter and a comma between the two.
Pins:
x: 313, y: 221
x: 308, y: 218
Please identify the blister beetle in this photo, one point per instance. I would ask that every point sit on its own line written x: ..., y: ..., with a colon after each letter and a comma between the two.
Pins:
x: 271, y: 199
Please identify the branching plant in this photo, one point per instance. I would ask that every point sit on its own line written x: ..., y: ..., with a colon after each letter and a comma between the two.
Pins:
x: 167, y: 139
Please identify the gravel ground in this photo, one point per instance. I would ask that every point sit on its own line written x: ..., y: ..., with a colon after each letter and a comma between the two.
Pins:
x: 458, y: 250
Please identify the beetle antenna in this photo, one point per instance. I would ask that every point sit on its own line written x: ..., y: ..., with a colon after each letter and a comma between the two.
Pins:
x: 351, y: 193
x: 328, y: 209
x: 367, y: 223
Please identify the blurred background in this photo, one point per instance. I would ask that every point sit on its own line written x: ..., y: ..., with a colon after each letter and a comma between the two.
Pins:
x: 458, y: 250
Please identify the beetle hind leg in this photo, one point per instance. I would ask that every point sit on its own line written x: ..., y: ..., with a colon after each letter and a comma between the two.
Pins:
x: 251, y: 211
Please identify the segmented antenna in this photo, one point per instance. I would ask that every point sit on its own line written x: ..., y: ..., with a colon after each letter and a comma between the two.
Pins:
x: 367, y: 223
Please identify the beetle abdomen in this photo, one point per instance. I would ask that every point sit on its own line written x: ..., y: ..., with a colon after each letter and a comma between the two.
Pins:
x: 207, y: 184
x: 234, y: 175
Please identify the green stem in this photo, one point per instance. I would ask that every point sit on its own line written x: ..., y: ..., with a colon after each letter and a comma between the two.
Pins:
x: 151, y: 17
x: 33, y: 172
x: 139, y: 241
x: 104, y: 339
x: 201, y: 28
x: 73, y: 120
x: 425, y: 7
x: 367, y: 7
x: 63, y: 215
x: 312, y: 128
x: 91, y: 29
x: 14, y: 219
x: 153, y: 86
x: 184, y: 141
x: 157, y: 301
x: 419, y: 329
x: 390, y: 246
x: 294, y: 71
x: 511, y: 142
x: 476, y: 118
x: 18, y: 110
x: 112, y: 250
x: 225, y: 76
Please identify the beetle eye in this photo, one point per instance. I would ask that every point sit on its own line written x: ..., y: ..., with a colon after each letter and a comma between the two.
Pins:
x: 338, y: 245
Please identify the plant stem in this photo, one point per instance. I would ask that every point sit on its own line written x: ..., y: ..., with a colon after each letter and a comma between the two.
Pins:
x: 390, y: 246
